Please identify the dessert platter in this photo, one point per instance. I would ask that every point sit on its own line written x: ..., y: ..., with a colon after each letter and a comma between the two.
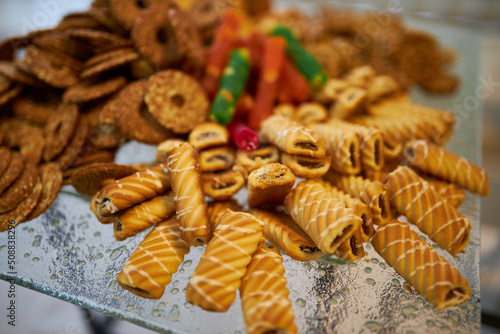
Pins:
x: 231, y: 167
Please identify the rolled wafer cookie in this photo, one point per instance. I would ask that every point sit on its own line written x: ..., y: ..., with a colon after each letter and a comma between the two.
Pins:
x: 269, y: 184
x: 132, y: 189
x: 284, y: 233
x: 292, y: 137
x: 306, y: 167
x: 156, y: 259
x: 420, y: 265
x: 218, y: 275
x: 413, y: 197
x: 441, y: 163
x: 264, y: 295
x: 325, y: 219
x: 216, y: 209
x: 352, y: 249
x: 450, y: 192
x: 191, y: 207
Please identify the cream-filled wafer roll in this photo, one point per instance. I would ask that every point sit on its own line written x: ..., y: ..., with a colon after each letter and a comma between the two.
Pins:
x: 371, y: 146
x: 325, y: 219
x: 450, y: 192
x: 284, y: 233
x: 443, y: 164
x: 372, y: 193
x: 342, y: 145
x: 306, y: 167
x: 257, y: 158
x: 420, y: 265
x: 350, y: 102
x: 156, y: 259
x: 264, y: 295
x: 217, y: 159
x: 136, y: 219
x: 208, y: 134
x: 132, y: 189
x: 413, y: 197
x: 222, y: 186
x: 189, y: 199
x: 219, y: 272
x: 292, y: 137
x: 269, y: 184
x: 217, y: 208
x: 352, y: 249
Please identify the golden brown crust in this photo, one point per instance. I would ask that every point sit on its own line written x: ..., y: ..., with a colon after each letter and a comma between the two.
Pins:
x: 164, y: 148
x: 381, y: 87
x: 24, y: 136
x: 217, y: 159
x: 421, y: 266
x: 150, y: 268
x: 12, y: 172
x: 310, y: 113
x: 351, y: 101
x: 208, y: 134
x: 59, y: 129
x: 217, y: 209
x: 19, y: 189
x: 448, y: 191
x: 51, y: 179
x: 306, y: 167
x: 223, y: 185
x: 352, y: 249
x: 269, y: 184
x: 260, y: 157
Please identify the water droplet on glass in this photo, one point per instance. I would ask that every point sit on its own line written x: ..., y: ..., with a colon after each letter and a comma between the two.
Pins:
x: 352, y: 265
x: 374, y: 260
x: 428, y: 307
x: 307, y: 266
x: 112, y: 285
x: 332, y: 301
x: 444, y: 328
x: 188, y: 305
x: 174, y: 291
x: 26, y: 254
x: 321, y: 273
x: 81, y: 263
x: 99, y: 255
x: 182, y: 270
x: 187, y: 263
x: 346, y: 292
x: 373, y: 326
x: 300, y: 302
x: 174, y: 313
x: 175, y: 283
x: 395, y: 281
x: 155, y: 313
x: 457, y: 258
x: 97, y: 234
x: 368, y: 270
x: 408, y: 309
x: 53, y: 276
x: 129, y: 308
x: 36, y: 259
x: 55, y: 222
x: 31, y: 230
x: 430, y: 323
x: 382, y: 265
x: 36, y: 242
x: 403, y: 297
x: 370, y: 281
x: 107, y: 251
x: 116, y: 253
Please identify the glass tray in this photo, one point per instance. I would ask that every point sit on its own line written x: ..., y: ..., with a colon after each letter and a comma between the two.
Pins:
x: 68, y: 254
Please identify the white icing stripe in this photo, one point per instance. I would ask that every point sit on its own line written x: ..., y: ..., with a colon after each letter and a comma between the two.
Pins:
x: 130, y: 268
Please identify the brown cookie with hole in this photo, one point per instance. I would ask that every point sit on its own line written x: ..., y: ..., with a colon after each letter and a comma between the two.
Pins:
x: 133, y: 116
x: 93, y: 88
x: 104, y: 131
x: 59, y: 129
x: 107, y: 61
x: 206, y: 16
x: 5, y: 158
x: 126, y: 11
x: 5, y: 83
x: 176, y: 100
x: 9, y: 95
x: 99, y: 41
x: 36, y: 106
x: 56, y: 40
x: 95, y: 156
x: 26, y: 137
x: 19, y: 189
x: 9, y: 46
x: 56, y: 69
x: 81, y: 20
x: 74, y: 147
x: 13, y: 73
x: 23, y: 209
x: 51, y: 178
x: 103, y: 16
x: 90, y: 179
x: 12, y: 172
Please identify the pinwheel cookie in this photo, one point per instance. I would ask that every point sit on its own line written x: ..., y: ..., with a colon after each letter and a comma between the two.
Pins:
x: 219, y: 272
x: 421, y: 266
x: 150, y: 268
x: 413, y: 197
x: 190, y: 204
x: 292, y: 137
x: 437, y: 161
x: 264, y: 295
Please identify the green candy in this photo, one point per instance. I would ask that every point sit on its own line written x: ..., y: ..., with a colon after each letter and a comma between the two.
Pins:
x: 304, y: 61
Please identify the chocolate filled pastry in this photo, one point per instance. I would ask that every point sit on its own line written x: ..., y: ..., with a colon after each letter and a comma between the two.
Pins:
x: 450, y: 192
x: 361, y: 76
x: 420, y: 265
x: 292, y: 137
x: 217, y: 208
x: 264, y: 295
x: 445, y: 165
x: 306, y: 167
x: 150, y: 268
x: 350, y: 102
x: 413, y: 197
x: 310, y: 113
x: 132, y: 190
x: 217, y: 159
x: 351, y: 249
x: 285, y: 234
x: 324, y: 218
x: 136, y: 219
x: 191, y: 208
x: 164, y: 148
x: 269, y: 184
x: 208, y: 134
x: 342, y: 145
x: 382, y: 86
x: 331, y: 91
x: 222, y: 186
x: 260, y: 157
x: 218, y: 275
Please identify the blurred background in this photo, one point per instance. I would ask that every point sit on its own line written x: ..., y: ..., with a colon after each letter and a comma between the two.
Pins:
x: 44, y: 314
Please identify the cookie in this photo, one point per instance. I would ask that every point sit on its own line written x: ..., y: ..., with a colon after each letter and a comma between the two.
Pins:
x: 107, y: 61
x: 9, y: 95
x: 310, y: 113
x: 5, y: 158
x: 19, y: 189
x: 12, y: 172
x: 26, y: 137
x: 217, y: 159
x: 98, y: 41
x: 217, y: 208
x: 104, y: 130
x: 13, y: 73
x: 268, y: 185
x: 56, y: 40
x: 176, y: 100
x: 51, y: 179
x: 222, y: 186
x: 306, y: 167
x: 126, y: 11
x: 93, y: 88
x: 36, y: 106
x: 208, y: 134
x: 19, y: 213
x: 72, y: 150
x: 257, y: 158
x: 103, y: 16
x: 164, y: 148
x: 59, y: 130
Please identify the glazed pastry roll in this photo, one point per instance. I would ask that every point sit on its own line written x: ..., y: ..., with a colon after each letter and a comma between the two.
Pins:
x: 372, y: 193
x: 392, y: 149
x: 382, y: 86
x: 284, y: 109
x: 325, y: 219
x: 292, y: 137
x: 217, y: 159
x: 269, y: 184
x: 285, y: 234
x: 448, y: 191
x: 136, y: 219
x: 331, y: 91
x: 219, y: 272
x: 264, y: 295
x: 156, y: 259
x: 208, y: 134
x: 306, y: 167
x: 413, y: 197
x: 216, y: 209
x: 132, y: 189
x: 371, y: 146
x: 260, y: 157
x: 443, y: 164
x: 375, y: 175
x: 223, y: 185
x: 350, y: 102
x: 420, y: 265
x: 310, y: 113
x: 352, y: 249
x: 93, y: 208
x: 361, y: 76
x: 342, y: 145
x: 164, y: 148
x: 189, y: 199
